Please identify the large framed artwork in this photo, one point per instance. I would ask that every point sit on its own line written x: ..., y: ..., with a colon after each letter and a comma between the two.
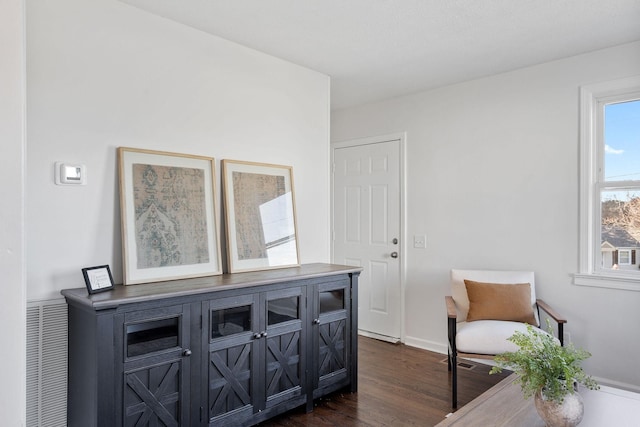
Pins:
x: 260, y: 216
x: 168, y: 215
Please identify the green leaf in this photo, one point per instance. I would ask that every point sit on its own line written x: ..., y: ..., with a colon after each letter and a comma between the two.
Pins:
x: 541, y: 363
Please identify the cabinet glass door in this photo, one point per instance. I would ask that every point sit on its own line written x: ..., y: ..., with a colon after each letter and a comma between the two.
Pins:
x: 331, y: 340
x: 231, y: 320
x: 156, y: 366
x: 232, y: 351
x: 285, y: 360
x: 152, y: 336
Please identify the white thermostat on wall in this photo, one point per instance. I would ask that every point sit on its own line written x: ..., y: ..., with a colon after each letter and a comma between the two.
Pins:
x: 70, y: 174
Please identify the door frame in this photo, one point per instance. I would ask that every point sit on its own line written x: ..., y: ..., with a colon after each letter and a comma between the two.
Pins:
x: 401, y: 137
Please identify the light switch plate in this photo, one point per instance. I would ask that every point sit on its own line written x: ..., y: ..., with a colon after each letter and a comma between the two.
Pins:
x: 70, y: 174
x: 420, y: 241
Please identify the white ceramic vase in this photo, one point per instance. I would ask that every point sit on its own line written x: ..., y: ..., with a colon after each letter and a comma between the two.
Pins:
x: 566, y: 414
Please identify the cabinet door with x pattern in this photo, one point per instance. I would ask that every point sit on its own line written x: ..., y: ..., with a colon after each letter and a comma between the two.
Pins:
x: 256, y: 357
x: 232, y: 339
x: 284, y: 362
x: 155, y: 363
x: 332, y: 351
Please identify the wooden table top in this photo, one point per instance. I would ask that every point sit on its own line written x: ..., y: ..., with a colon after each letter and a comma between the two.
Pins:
x: 121, y: 294
x: 503, y: 405
x: 500, y: 406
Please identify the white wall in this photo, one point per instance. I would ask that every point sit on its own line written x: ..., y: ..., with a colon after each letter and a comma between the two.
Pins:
x: 102, y: 74
x: 12, y: 260
x: 492, y: 180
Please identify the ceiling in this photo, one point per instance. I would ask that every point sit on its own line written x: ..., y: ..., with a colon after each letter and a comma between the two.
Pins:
x: 378, y: 49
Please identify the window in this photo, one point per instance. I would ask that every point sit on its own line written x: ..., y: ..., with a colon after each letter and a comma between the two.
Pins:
x: 624, y: 257
x: 610, y: 184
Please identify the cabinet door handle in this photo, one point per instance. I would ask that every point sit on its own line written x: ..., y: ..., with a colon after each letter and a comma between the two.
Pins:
x: 316, y: 321
x: 257, y: 335
x: 186, y: 353
x: 264, y: 334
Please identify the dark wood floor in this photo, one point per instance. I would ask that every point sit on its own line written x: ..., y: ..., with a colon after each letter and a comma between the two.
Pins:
x: 398, y: 385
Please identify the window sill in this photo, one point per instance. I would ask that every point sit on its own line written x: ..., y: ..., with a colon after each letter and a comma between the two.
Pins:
x: 611, y: 282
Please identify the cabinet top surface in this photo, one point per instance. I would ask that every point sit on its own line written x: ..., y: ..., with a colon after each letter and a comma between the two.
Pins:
x: 121, y: 294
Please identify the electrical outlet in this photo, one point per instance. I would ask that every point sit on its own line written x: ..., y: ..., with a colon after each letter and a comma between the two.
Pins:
x: 420, y: 241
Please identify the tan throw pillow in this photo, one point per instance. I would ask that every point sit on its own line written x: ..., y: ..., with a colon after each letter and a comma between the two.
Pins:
x: 493, y: 301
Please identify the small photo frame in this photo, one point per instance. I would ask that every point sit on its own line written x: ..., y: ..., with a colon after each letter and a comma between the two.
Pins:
x: 98, y: 279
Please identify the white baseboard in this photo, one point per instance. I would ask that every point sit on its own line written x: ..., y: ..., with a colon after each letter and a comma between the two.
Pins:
x: 438, y: 347
x: 426, y: 344
x: 617, y: 384
x: 378, y: 336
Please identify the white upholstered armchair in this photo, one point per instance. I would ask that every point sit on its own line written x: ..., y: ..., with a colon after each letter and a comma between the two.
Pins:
x: 486, y: 308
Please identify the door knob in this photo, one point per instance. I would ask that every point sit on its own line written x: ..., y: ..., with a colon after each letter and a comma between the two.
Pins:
x: 394, y: 254
x: 186, y: 353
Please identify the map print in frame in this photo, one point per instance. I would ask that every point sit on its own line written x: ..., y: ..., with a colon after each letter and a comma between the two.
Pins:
x: 168, y: 216
x: 260, y: 216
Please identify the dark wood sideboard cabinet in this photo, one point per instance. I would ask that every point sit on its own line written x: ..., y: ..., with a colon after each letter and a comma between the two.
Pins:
x: 228, y: 350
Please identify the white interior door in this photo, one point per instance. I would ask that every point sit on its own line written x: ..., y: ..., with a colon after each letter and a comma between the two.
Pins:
x: 366, y: 204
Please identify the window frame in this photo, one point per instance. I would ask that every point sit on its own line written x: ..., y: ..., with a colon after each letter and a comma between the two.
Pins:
x: 592, y: 100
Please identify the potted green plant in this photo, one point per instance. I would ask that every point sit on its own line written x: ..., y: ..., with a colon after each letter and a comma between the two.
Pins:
x: 549, y: 372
